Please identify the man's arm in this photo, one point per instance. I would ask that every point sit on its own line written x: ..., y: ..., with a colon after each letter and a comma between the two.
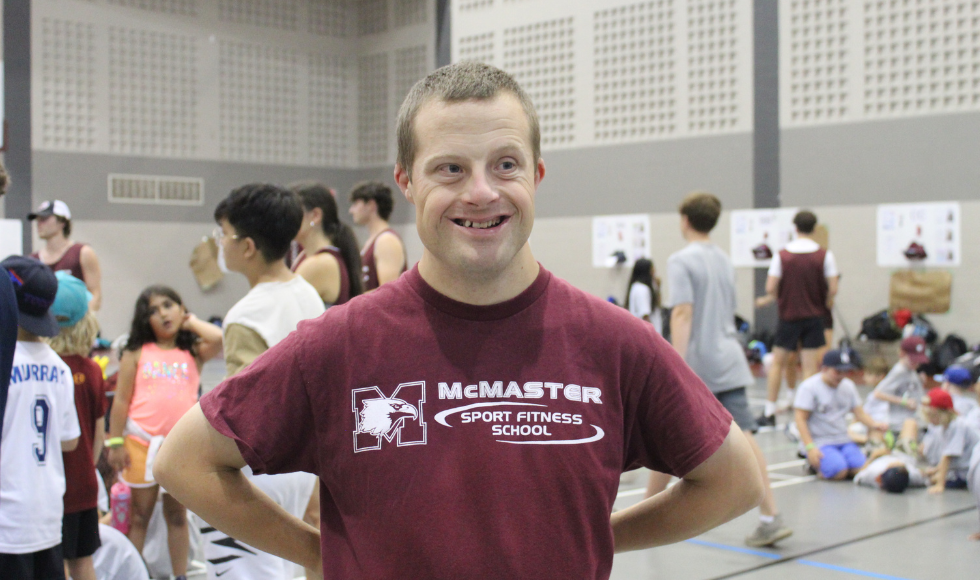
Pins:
x: 772, y: 286
x: 681, y: 316
x: 389, y: 258
x: 92, y: 273
x: 703, y: 499
x: 832, y: 284
x: 201, y: 468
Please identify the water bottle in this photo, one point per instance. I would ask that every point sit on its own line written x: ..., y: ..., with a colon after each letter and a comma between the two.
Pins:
x: 119, y: 499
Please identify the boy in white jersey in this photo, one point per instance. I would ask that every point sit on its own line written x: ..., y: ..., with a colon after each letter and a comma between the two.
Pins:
x: 257, y: 223
x: 39, y: 423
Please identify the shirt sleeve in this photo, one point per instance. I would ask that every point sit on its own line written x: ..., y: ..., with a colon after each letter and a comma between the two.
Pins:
x: 242, y: 346
x: 804, y: 398
x: 68, y: 416
x: 673, y: 422
x: 955, y: 440
x: 830, y: 265
x: 239, y: 408
x: 855, y: 397
x: 679, y: 283
x: 640, y: 297
x: 776, y: 266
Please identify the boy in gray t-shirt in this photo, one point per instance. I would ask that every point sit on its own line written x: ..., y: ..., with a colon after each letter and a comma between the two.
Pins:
x: 701, y: 282
x: 821, y: 406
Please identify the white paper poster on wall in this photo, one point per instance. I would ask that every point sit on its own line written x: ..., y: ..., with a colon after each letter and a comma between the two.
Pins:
x: 612, y: 234
x: 927, y: 234
x: 758, y: 234
x: 11, y: 238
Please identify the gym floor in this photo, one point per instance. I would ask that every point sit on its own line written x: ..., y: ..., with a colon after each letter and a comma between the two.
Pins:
x: 841, y: 531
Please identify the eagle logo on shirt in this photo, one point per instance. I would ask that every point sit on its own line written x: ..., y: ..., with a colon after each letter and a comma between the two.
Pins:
x: 380, y: 417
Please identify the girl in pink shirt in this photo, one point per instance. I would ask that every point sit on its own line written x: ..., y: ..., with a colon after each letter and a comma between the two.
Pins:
x: 159, y: 379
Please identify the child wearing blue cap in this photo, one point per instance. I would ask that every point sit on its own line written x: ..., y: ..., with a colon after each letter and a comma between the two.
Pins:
x: 39, y: 423
x: 958, y: 382
x: 78, y: 329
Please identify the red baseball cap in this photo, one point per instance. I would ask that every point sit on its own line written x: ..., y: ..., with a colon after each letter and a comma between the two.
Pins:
x: 914, y: 347
x: 939, y: 399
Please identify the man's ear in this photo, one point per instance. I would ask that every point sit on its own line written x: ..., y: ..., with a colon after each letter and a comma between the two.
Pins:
x: 404, y: 181
x: 538, y: 172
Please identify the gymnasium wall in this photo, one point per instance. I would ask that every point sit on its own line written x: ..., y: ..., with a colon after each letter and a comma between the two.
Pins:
x: 204, y: 96
x: 640, y: 102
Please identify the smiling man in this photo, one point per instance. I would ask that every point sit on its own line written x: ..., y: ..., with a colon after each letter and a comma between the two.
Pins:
x: 487, y: 438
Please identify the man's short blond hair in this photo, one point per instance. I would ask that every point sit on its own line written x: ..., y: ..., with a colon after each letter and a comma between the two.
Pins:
x: 463, y: 81
x: 702, y: 210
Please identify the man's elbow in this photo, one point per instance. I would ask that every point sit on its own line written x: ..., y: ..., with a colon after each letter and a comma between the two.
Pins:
x: 165, y: 465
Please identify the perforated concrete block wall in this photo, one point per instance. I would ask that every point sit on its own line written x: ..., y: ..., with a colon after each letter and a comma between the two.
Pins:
x: 292, y: 82
x: 855, y: 60
x: 605, y: 73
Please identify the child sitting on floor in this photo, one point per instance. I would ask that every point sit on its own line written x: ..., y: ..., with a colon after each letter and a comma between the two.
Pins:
x: 958, y: 382
x: 949, y: 444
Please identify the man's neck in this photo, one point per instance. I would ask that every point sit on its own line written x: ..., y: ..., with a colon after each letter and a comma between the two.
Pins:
x: 376, y: 225
x: 56, y: 244
x: 262, y: 271
x: 481, y: 289
x: 692, y: 235
x: 802, y: 236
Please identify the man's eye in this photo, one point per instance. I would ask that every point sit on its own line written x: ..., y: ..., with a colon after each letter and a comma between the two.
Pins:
x: 508, y: 166
x: 453, y: 168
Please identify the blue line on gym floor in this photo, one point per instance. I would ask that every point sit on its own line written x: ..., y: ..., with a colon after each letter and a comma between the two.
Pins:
x: 736, y: 549
x: 849, y: 570
x: 772, y: 556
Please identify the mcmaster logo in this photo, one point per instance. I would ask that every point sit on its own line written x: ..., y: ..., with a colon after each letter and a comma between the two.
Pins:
x: 398, y: 418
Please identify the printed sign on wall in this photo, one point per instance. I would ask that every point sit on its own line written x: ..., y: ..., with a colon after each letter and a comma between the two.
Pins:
x: 11, y: 238
x: 757, y: 234
x: 620, y: 239
x: 927, y: 234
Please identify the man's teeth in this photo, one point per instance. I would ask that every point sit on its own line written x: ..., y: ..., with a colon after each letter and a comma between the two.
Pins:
x: 480, y: 225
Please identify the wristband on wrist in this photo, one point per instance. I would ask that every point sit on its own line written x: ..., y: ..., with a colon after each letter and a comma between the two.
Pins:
x: 810, y: 446
x: 115, y: 442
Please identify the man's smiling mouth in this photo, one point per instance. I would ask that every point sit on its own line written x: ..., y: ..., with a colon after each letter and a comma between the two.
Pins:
x: 480, y: 225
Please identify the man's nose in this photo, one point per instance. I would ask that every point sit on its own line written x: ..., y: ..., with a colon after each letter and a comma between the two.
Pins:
x: 481, y: 190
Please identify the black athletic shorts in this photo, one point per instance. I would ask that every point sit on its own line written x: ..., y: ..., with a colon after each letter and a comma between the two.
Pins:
x: 80, y: 534
x: 807, y: 333
x: 43, y: 565
x: 736, y: 402
x: 828, y: 321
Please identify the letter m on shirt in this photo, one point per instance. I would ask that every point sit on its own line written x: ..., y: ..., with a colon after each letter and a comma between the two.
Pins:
x: 396, y: 419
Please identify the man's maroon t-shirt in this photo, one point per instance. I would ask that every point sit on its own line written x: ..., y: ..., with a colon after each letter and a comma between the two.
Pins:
x: 460, y: 441
x: 82, y: 489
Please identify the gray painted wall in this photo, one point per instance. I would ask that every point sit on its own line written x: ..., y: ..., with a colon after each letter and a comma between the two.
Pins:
x: 81, y: 181
x: 645, y: 177
x: 934, y: 157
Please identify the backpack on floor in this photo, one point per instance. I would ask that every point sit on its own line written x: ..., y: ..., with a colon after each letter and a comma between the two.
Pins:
x: 948, y: 351
x: 880, y: 326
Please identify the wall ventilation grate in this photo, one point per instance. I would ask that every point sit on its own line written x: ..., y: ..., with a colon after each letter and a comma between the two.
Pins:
x: 157, y: 190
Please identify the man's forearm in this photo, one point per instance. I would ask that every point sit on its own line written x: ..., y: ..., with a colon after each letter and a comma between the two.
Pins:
x: 201, y: 469
x: 680, y: 329
x: 694, y: 505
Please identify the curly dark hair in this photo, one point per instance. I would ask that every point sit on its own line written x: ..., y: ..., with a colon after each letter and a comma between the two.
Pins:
x: 141, y: 332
